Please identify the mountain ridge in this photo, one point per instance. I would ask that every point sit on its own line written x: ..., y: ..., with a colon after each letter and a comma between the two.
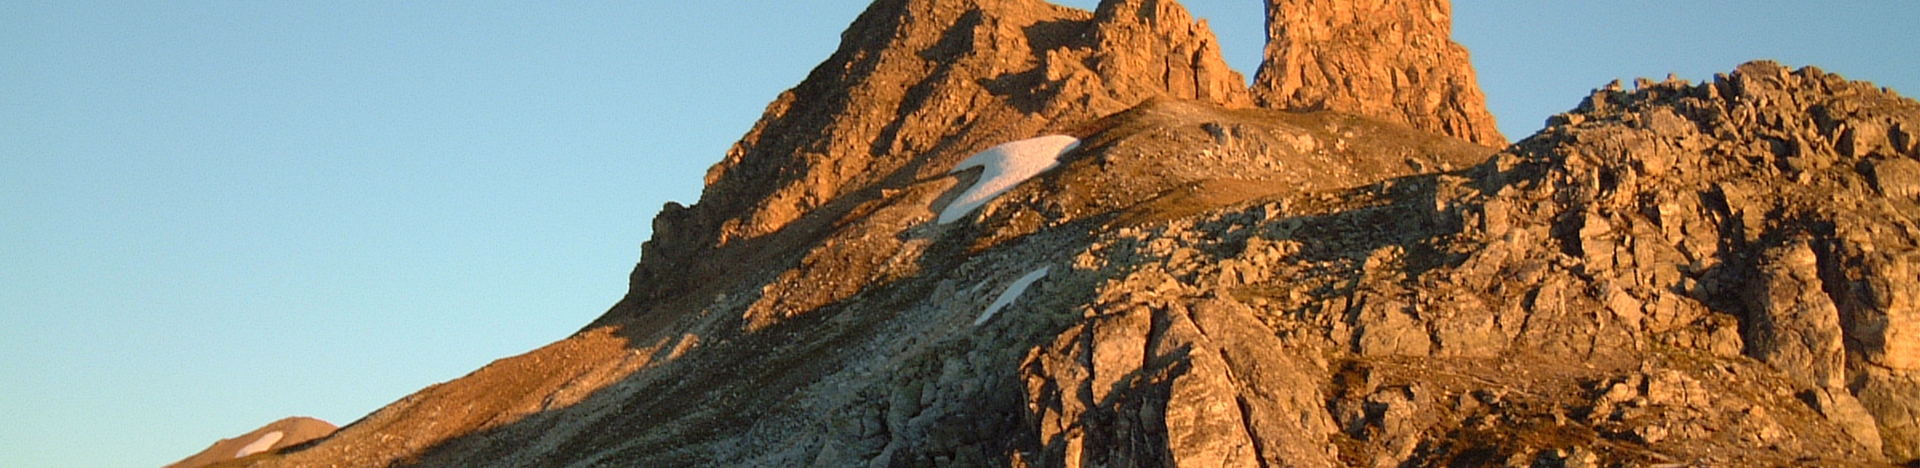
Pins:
x: 1233, y: 278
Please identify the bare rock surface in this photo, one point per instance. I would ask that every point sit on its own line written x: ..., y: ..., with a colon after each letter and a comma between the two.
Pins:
x: 916, y: 86
x: 1389, y: 59
x: 1683, y: 274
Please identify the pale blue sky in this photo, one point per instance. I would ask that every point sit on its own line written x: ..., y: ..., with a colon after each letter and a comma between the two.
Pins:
x: 216, y: 214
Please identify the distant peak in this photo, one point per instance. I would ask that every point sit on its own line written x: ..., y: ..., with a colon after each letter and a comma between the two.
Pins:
x: 277, y: 435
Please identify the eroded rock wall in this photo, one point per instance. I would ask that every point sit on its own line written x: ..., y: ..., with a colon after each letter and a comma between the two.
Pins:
x: 1390, y: 59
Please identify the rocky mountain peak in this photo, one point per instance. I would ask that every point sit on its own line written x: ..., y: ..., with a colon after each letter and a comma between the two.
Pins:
x: 1393, y: 60
x: 1716, y: 273
x: 916, y: 85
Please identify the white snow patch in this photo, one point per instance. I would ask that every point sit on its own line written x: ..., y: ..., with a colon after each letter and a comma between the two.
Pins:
x: 1013, y: 291
x: 265, y: 442
x: 1006, y: 166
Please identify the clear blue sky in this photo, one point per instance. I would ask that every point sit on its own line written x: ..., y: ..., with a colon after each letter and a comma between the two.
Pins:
x: 215, y: 214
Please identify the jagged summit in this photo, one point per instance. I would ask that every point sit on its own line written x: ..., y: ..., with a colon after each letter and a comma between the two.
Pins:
x: 1708, y: 274
x: 915, y: 86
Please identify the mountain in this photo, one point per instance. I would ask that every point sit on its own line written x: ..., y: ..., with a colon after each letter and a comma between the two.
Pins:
x: 1392, y: 60
x: 277, y: 435
x: 1341, y: 265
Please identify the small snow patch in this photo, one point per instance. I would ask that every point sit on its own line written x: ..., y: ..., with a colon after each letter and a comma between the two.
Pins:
x: 1006, y: 166
x: 1013, y: 291
x: 265, y: 442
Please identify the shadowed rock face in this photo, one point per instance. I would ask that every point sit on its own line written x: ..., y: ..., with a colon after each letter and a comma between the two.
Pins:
x: 1393, y: 60
x: 1714, y: 273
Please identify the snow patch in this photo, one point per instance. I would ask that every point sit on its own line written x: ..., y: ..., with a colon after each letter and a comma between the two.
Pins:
x: 1013, y: 291
x: 265, y: 442
x: 1006, y: 166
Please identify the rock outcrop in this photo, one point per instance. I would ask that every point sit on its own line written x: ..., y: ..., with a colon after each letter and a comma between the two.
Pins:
x: 1683, y: 274
x: 1393, y: 60
x: 1692, y: 274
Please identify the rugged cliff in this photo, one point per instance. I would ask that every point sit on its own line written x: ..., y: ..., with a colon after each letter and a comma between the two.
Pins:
x: 916, y: 86
x: 1303, y: 273
x: 1389, y: 59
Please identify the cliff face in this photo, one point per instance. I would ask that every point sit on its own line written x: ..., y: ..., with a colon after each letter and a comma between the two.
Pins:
x: 916, y: 85
x: 1712, y: 273
x: 1393, y: 60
